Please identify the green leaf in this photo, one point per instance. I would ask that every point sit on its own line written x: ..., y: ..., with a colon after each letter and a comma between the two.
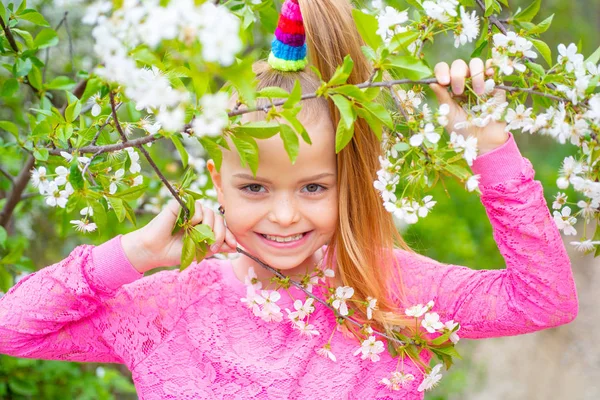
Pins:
x: 410, y: 67
x: 3, y: 236
x: 10, y: 87
x: 290, y: 141
x: 479, y: 49
x: 182, y: 151
x: 351, y: 91
x: 542, y: 26
x: 22, y: 67
x: 594, y: 58
x: 380, y: 113
x: 273, y: 92
x: 369, y: 53
x: 41, y: 154
x: 10, y: 127
x: 188, y: 252
x: 73, y: 111
x: 34, y: 17
x: 367, y: 27
x: 248, y: 152
x: 25, y: 35
x: 449, y: 350
x: 214, y: 151
x: 60, y: 83
x: 46, y: 38
x: 117, y: 205
x: 536, y: 68
x: 295, y: 95
x: 403, y: 40
x: 204, y: 233
x: 35, y: 77
x: 458, y: 171
x: 488, y: 7
x: 342, y: 73
x: 544, y: 50
x: 133, y: 193
x: 374, y: 123
x: 75, y: 177
x: 528, y: 13
x: 259, y: 129
x: 2, y: 11
x: 343, y: 135
x: 345, y: 106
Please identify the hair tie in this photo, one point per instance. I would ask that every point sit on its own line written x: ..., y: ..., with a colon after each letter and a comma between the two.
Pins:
x: 288, y: 48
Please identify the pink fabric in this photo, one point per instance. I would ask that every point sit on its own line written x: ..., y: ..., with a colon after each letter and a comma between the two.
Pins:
x: 186, y: 335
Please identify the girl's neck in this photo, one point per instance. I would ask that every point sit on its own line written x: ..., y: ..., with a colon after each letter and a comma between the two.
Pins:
x: 242, y: 264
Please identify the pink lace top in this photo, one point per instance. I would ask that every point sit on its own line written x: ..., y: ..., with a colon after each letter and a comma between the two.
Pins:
x: 186, y: 335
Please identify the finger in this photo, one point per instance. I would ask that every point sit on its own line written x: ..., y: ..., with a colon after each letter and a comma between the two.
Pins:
x: 442, y: 94
x: 198, y: 214
x: 209, y: 216
x: 442, y: 73
x: 477, y: 77
x: 230, y: 239
x: 458, y: 72
x: 219, y: 231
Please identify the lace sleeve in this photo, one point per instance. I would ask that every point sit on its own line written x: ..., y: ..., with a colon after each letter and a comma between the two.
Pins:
x: 534, y: 292
x: 94, y: 306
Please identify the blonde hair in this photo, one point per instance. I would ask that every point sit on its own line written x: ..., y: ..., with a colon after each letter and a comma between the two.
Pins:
x: 363, y: 243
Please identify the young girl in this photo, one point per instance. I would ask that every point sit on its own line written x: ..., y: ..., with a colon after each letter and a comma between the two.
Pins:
x: 187, y: 335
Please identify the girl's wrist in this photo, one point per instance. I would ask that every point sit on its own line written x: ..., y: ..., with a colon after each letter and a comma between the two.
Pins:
x: 133, y: 247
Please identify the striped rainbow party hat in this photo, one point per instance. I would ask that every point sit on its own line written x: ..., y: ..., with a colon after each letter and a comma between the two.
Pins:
x: 288, y: 49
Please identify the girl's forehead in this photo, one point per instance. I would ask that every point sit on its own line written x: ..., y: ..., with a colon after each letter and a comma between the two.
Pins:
x: 274, y: 160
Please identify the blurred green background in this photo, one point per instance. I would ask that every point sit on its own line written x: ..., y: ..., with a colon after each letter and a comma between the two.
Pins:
x: 457, y: 231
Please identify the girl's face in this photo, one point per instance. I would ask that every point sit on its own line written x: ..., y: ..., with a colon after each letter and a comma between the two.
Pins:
x: 293, y: 202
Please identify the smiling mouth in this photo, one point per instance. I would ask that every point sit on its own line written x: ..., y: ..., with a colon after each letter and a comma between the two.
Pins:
x: 284, y: 239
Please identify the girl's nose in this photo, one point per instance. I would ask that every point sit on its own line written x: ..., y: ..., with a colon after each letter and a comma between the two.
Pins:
x: 284, y: 211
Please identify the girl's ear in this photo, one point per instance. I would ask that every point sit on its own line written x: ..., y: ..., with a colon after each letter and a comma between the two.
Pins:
x: 216, y: 179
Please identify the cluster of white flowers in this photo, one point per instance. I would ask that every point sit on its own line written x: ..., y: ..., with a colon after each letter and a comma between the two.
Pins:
x: 509, y: 52
x: 431, y: 322
x: 468, y: 30
x: 583, y: 72
x: 136, y: 23
x: 441, y: 10
x: 214, y: 115
x: 467, y: 146
x: 370, y: 348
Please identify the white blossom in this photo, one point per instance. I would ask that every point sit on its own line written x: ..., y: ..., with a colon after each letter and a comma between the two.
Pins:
x: 469, y: 29
x: 370, y: 348
x: 564, y: 221
x: 431, y: 379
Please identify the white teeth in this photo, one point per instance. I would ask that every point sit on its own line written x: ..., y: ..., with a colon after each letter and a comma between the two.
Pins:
x: 282, y: 239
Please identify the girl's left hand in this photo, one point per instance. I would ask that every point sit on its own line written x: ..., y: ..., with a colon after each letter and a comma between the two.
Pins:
x: 489, y: 137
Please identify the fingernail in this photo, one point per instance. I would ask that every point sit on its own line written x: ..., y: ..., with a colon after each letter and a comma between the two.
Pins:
x: 214, y: 248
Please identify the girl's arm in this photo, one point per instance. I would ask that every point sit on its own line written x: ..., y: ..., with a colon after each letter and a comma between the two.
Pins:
x: 534, y: 292
x: 93, y: 306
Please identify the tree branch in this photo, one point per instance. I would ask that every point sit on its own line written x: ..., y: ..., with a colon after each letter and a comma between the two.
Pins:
x: 148, y: 157
x: 19, y: 186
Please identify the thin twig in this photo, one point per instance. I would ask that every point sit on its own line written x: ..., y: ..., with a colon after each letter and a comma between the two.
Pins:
x: 8, y: 175
x: 148, y: 157
x: 19, y: 186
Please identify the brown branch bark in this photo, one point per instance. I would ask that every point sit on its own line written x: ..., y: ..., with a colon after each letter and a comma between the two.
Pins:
x: 19, y: 186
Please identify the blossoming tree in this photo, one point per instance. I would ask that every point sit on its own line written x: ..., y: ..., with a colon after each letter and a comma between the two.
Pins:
x: 83, y: 140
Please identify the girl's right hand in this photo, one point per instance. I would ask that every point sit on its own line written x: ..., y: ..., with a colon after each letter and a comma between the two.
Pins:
x: 153, y: 246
